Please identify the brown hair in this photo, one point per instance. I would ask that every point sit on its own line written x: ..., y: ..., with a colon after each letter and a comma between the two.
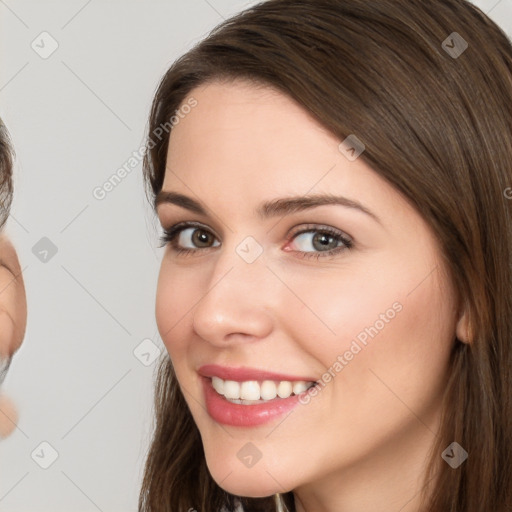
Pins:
x: 438, y: 127
x: 6, y: 186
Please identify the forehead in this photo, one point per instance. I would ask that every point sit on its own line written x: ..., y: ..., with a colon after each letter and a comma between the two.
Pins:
x: 241, y: 130
x: 239, y: 113
x: 250, y: 142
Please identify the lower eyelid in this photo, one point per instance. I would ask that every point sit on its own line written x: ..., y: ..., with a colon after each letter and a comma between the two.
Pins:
x: 172, y: 233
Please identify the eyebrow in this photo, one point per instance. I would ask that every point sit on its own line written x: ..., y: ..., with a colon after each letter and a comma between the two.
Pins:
x: 272, y: 208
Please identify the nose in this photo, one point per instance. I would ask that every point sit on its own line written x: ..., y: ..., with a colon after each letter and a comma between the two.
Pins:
x: 238, y: 302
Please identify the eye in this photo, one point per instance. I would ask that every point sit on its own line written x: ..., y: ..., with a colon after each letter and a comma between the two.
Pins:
x: 188, y: 232
x: 326, y: 241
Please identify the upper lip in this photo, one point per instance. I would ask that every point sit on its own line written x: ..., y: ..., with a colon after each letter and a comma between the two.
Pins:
x: 242, y: 373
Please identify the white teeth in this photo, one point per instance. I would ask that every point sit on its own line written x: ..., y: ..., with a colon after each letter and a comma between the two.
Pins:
x: 218, y: 385
x: 284, y: 390
x: 250, y: 390
x: 299, y: 387
x: 231, y: 389
x: 268, y: 390
x: 254, y: 391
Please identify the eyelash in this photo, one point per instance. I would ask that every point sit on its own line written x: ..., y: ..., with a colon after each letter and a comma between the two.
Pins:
x: 169, y: 237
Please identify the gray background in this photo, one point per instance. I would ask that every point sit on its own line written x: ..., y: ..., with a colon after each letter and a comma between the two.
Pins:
x: 75, y: 118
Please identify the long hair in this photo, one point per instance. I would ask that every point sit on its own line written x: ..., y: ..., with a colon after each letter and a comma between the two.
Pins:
x: 426, y: 85
x: 6, y: 185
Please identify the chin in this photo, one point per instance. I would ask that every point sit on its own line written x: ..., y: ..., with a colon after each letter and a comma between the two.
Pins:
x: 253, y: 482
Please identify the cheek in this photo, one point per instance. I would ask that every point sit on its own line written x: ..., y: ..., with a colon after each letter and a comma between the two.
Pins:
x: 337, y: 305
x: 405, y: 354
x: 174, y: 298
x: 390, y: 317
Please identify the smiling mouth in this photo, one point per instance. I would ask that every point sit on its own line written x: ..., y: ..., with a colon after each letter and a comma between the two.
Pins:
x: 253, y: 392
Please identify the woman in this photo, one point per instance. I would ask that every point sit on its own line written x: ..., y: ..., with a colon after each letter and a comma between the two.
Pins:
x: 331, y: 178
x: 13, y: 304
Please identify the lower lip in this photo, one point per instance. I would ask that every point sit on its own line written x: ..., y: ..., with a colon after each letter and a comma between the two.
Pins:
x: 238, y: 415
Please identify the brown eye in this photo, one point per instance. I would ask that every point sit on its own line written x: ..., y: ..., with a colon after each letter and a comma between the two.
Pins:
x: 187, y: 238
x: 321, y: 241
x: 200, y: 237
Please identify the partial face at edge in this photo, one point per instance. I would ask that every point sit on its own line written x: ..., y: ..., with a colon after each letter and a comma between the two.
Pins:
x: 289, y: 312
x: 13, y: 320
x: 13, y: 304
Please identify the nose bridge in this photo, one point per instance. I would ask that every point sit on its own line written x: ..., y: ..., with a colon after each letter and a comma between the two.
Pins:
x: 241, y: 263
x: 237, y: 295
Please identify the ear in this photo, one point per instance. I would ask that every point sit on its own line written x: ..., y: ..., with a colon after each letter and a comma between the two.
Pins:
x: 463, y: 329
x: 13, y: 302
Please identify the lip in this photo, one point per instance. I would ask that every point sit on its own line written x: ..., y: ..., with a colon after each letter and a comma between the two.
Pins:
x: 238, y: 415
x: 242, y: 374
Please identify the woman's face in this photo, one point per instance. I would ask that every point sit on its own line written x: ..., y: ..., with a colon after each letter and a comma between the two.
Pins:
x: 268, y: 295
x: 13, y: 321
x: 13, y: 302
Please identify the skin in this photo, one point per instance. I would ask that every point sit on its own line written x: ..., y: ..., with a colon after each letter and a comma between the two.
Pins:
x: 362, y: 442
x: 13, y: 302
x: 13, y: 321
